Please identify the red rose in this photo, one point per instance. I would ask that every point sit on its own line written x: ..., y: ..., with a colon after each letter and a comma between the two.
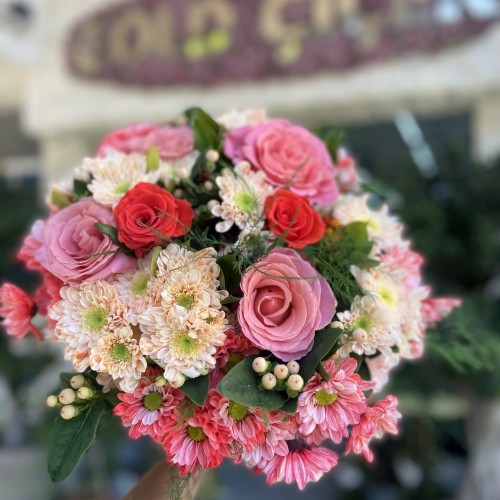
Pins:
x: 148, y: 211
x: 291, y: 215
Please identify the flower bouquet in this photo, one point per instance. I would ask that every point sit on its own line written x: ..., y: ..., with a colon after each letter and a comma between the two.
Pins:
x: 225, y: 287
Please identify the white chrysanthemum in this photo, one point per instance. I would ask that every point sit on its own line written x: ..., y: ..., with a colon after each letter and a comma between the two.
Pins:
x: 412, y: 328
x: 118, y: 354
x: 243, y: 193
x: 235, y: 118
x: 84, y: 314
x: 368, y: 328
x: 173, y: 171
x: 182, y: 345
x: 114, y: 175
x: 384, y: 229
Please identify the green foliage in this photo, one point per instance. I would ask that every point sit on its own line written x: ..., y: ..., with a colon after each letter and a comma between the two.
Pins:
x: 109, y: 231
x: 241, y: 385
x: 333, y: 139
x: 196, y: 389
x: 207, y: 132
x: 230, y: 276
x: 153, y: 159
x: 80, y: 189
x: 334, y: 255
x: 70, y: 439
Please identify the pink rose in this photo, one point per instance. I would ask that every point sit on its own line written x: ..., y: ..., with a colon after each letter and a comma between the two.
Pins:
x: 74, y: 250
x: 172, y: 142
x: 285, y: 301
x: 289, y: 155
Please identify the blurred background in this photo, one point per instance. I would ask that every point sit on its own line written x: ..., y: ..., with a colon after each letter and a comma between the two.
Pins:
x: 415, y: 87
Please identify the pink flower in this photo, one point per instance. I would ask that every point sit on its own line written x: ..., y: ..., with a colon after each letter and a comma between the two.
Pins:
x: 405, y: 264
x: 379, y: 419
x: 246, y: 425
x: 327, y: 408
x: 31, y: 245
x: 434, y: 310
x: 379, y: 367
x: 303, y: 466
x: 197, y: 443
x: 347, y: 175
x: 47, y: 294
x: 149, y: 409
x: 281, y: 427
x: 17, y: 309
x: 235, y: 348
x: 289, y: 155
x: 285, y: 301
x: 171, y: 142
x: 75, y: 250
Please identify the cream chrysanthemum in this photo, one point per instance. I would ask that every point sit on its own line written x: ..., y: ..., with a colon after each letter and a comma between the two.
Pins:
x: 173, y: 171
x: 84, y: 314
x: 118, y: 354
x: 236, y: 118
x: 182, y: 345
x: 383, y: 229
x: 114, y: 175
x: 368, y: 328
x: 243, y: 193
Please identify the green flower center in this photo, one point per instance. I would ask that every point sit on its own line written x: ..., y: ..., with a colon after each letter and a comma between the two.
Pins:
x: 324, y: 398
x: 153, y: 401
x: 139, y: 285
x: 196, y: 433
x: 185, y: 300
x: 245, y: 201
x: 363, y: 322
x: 210, y: 320
x: 184, y: 345
x: 120, y: 352
x: 122, y: 188
x: 387, y: 295
x: 95, y: 319
x: 232, y: 361
x: 236, y: 411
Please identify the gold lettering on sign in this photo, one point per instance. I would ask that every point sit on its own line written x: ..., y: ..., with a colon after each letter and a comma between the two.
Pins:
x: 209, y: 24
x: 88, y: 51
x: 163, y: 29
x: 131, y: 37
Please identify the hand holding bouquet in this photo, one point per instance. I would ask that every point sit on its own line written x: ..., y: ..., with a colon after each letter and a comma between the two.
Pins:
x: 226, y: 288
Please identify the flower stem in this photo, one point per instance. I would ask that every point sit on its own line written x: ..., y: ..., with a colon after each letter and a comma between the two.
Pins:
x: 321, y: 370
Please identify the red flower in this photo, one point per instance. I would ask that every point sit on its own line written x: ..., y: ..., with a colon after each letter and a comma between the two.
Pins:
x: 291, y: 216
x: 148, y: 212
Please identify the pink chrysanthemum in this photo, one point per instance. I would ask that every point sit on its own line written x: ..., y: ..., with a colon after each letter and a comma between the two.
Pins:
x: 328, y: 407
x: 47, y: 294
x: 148, y: 410
x: 379, y: 419
x: 302, y: 465
x: 31, y: 245
x: 197, y: 443
x: 235, y: 348
x: 434, y: 310
x: 17, y: 309
x: 281, y: 427
x: 246, y: 425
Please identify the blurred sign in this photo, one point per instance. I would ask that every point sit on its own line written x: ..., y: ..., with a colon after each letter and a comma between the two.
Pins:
x: 166, y: 42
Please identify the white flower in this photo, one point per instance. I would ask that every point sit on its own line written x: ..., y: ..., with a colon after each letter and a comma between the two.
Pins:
x: 173, y: 171
x: 368, y: 328
x: 235, y: 118
x: 243, y: 193
x: 118, y: 354
x: 84, y: 314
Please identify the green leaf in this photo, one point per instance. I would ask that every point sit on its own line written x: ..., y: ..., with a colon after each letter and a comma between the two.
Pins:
x: 240, y: 385
x: 70, y: 439
x: 154, y: 259
x: 290, y: 406
x: 207, y: 132
x: 80, y: 189
x: 66, y: 379
x: 59, y: 200
x: 196, y: 389
x: 153, y: 159
x: 231, y: 277
x: 110, y: 231
x: 332, y: 141
x: 324, y: 340
x: 198, y: 167
x: 229, y: 300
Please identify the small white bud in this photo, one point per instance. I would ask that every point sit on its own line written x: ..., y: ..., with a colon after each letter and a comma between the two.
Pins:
x: 293, y: 367
x: 212, y: 155
x: 77, y: 381
x: 85, y: 393
x: 338, y: 324
x: 67, y: 396
x: 161, y: 381
x: 179, y: 381
x: 178, y: 193
x: 204, y: 371
x: 359, y: 335
x: 281, y: 372
x: 259, y: 365
x: 182, y: 174
x: 269, y: 381
x: 52, y: 401
x: 68, y: 412
x: 295, y: 382
x: 208, y: 185
x: 211, y: 204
